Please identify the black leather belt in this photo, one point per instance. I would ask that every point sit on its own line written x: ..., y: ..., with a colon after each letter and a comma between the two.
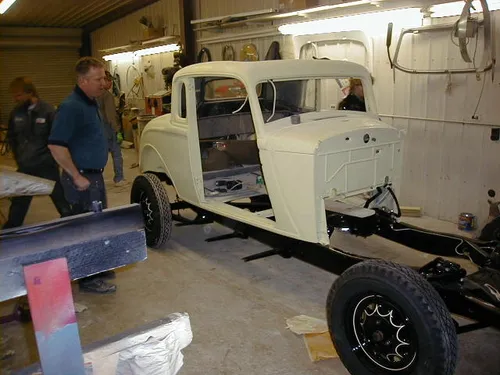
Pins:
x: 91, y: 171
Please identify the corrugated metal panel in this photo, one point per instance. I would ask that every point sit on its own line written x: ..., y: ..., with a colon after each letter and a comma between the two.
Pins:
x: 58, y: 13
x: 54, y: 78
x: 216, y: 8
x: 164, y: 13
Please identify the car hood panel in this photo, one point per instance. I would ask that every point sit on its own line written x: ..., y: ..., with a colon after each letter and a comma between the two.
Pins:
x: 307, y: 137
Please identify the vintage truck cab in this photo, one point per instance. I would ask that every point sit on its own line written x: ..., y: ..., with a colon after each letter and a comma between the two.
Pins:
x: 272, y: 130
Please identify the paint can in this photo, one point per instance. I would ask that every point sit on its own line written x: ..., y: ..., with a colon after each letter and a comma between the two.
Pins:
x: 466, y: 221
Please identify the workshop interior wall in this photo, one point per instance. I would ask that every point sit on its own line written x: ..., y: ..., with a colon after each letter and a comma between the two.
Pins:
x: 448, y: 165
x: 164, y: 13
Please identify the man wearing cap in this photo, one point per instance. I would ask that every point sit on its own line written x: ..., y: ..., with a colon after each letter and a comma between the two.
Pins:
x: 79, y: 146
x: 107, y: 107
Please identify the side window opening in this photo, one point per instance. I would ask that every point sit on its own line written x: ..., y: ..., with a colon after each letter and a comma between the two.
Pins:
x: 182, y: 109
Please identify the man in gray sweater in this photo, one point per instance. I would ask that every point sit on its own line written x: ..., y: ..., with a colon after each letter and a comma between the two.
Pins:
x: 111, y: 124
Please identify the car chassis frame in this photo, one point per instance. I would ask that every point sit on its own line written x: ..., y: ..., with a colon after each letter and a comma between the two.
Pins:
x: 459, y: 291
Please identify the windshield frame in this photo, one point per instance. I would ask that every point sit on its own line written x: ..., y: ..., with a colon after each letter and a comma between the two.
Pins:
x: 367, y: 88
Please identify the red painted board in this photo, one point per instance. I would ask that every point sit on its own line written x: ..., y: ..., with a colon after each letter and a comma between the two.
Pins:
x: 54, y: 320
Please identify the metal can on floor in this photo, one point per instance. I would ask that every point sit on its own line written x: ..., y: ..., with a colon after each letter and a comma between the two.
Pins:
x: 466, y: 221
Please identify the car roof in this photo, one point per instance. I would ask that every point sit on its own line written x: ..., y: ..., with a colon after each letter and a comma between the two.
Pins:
x: 257, y: 71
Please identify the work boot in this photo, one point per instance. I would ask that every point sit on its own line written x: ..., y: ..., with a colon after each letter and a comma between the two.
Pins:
x: 107, y: 275
x: 122, y: 183
x: 97, y: 285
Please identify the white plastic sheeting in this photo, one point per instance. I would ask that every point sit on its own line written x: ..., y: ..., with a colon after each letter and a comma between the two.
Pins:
x: 155, y: 351
x: 16, y: 184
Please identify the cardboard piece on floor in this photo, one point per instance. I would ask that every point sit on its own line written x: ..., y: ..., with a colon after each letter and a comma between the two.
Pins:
x: 320, y: 346
x: 302, y: 324
x: 316, y: 336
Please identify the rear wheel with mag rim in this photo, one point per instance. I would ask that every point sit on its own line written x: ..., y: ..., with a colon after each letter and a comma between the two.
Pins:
x: 385, y: 318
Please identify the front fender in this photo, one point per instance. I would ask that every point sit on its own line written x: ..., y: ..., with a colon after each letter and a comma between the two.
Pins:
x: 150, y: 160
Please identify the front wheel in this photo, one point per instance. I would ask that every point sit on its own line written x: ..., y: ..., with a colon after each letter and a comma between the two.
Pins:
x: 385, y: 318
x: 149, y: 192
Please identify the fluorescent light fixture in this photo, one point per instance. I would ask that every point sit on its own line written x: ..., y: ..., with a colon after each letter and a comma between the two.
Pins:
x: 455, y: 8
x: 238, y: 15
x: 126, y: 56
x: 370, y: 23
x: 123, y: 56
x: 155, y: 50
x: 6, y: 4
x: 336, y: 6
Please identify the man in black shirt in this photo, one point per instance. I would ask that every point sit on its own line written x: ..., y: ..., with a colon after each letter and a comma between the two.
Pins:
x: 79, y: 145
x: 355, y: 101
x: 29, y: 127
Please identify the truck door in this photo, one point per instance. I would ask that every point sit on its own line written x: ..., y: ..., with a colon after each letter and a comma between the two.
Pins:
x: 184, y: 165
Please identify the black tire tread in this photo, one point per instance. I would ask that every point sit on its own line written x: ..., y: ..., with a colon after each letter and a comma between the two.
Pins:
x: 431, y: 303
x: 164, y: 209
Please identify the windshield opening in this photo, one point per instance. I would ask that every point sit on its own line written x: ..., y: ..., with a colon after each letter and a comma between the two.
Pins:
x: 284, y: 98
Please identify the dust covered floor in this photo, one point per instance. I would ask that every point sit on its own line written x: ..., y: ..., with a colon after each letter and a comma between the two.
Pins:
x: 237, y: 310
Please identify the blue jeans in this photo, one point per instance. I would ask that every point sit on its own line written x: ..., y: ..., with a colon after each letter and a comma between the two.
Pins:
x: 116, y: 153
x: 81, y: 201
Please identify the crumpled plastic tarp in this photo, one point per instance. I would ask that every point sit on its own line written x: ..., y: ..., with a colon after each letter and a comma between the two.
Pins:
x: 155, y: 351
x: 14, y: 184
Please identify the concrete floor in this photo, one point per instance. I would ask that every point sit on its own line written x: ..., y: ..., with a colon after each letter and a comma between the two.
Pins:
x: 237, y: 310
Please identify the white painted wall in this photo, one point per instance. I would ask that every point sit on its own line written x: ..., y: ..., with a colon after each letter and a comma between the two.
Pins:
x: 164, y: 13
x: 448, y: 166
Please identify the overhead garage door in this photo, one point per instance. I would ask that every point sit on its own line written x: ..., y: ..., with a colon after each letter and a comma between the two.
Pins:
x: 51, y: 68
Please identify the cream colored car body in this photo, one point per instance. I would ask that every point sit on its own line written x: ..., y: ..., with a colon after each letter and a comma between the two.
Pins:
x: 325, y: 157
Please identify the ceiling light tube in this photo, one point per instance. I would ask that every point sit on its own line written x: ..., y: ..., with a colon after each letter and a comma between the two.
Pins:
x: 455, y: 8
x: 335, y: 6
x: 126, y: 56
x: 374, y: 23
x: 155, y: 50
x: 5, y: 5
x: 123, y: 56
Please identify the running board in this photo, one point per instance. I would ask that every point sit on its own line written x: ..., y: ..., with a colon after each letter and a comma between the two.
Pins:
x: 235, y: 234
x: 267, y: 253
